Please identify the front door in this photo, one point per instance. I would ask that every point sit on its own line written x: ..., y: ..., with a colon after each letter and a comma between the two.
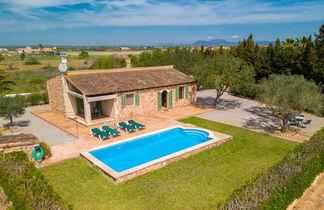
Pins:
x: 164, y: 98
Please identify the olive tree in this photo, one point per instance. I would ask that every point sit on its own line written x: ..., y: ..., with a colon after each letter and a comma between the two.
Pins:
x: 286, y: 95
x: 221, y: 72
x: 12, y: 107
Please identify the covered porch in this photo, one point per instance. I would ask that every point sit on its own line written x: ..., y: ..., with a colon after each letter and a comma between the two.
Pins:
x: 91, y: 110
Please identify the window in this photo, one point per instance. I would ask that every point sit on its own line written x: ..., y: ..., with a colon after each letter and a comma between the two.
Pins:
x: 181, y: 92
x: 129, y: 99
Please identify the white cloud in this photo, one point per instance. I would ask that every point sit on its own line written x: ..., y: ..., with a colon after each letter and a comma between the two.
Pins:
x: 209, y: 37
x: 235, y: 36
x: 30, y: 15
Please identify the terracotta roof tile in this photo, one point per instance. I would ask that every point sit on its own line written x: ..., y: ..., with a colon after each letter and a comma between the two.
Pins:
x: 99, y: 82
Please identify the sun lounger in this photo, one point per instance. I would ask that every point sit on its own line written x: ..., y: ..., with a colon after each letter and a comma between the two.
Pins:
x: 101, y: 135
x: 127, y: 128
x: 110, y: 130
x: 135, y: 124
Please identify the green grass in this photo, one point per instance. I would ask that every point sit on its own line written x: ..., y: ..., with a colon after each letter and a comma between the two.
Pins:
x: 17, y: 58
x: 201, y: 181
x: 22, y: 80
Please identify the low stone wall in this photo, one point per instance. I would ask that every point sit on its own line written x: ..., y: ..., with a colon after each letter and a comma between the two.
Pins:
x: 20, y: 142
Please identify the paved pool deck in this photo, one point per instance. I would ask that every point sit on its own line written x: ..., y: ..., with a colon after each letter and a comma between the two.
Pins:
x: 153, y: 122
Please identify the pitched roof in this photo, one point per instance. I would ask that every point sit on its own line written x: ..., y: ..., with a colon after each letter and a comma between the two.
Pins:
x: 108, y: 81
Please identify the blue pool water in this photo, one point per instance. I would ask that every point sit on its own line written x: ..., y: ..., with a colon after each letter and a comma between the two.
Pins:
x: 123, y: 156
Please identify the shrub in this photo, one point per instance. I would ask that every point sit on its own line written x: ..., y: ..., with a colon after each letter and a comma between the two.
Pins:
x: 34, y: 99
x: 269, y: 190
x: 83, y: 55
x: 45, y: 98
x: 47, y: 149
x: 31, y: 61
x: 25, y: 186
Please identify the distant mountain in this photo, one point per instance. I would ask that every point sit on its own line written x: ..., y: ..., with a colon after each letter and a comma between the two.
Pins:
x: 218, y: 42
x: 214, y: 42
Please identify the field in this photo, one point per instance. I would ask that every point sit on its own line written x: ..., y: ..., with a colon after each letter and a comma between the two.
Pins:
x: 32, y: 78
x: 201, y: 181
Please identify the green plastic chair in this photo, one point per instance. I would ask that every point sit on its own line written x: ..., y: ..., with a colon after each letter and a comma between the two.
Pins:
x: 126, y: 127
x: 110, y: 130
x: 101, y: 135
x: 135, y: 124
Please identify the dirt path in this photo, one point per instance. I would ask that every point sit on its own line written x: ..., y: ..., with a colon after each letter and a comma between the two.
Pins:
x: 313, y: 197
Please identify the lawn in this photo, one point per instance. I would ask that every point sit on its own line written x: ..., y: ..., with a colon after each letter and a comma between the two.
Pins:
x: 201, y: 181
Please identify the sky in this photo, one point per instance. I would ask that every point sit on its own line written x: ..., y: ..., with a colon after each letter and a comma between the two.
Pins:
x: 153, y: 22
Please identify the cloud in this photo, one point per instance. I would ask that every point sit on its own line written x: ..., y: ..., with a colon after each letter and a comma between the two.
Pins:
x: 209, y: 37
x: 44, y: 14
x: 235, y: 36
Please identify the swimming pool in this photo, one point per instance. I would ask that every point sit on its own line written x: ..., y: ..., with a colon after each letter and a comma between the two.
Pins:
x: 141, y: 154
x: 136, y: 152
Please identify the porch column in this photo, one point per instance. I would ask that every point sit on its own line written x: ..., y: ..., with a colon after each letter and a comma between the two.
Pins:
x: 87, y: 111
x: 66, y: 100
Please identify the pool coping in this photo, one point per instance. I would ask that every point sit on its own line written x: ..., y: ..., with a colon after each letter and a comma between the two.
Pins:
x: 154, y: 164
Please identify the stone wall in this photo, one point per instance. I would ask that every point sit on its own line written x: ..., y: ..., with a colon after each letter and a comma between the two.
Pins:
x: 149, y: 101
x: 20, y: 142
x: 55, y: 94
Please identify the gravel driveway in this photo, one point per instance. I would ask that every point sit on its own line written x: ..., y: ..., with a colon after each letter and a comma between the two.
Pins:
x: 249, y: 114
x: 29, y: 123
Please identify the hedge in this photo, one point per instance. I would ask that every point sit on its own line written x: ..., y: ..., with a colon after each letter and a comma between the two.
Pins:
x: 283, y: 182
x: 25, y: 186
x: 286, y: 194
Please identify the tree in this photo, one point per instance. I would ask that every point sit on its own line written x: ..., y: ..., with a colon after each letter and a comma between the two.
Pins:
x: 1, y: 58
x: 40, y: 46
x: 222, y: 72
x: 307, y: 60
x: 5, y: 83
x: 22, y: 56
x: 83, y: 55
x: 12, y: 107
x: 319, y: 46
x: 286, y: 95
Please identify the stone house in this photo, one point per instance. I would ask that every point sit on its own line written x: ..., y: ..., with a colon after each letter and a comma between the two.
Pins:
x: 97, y: 96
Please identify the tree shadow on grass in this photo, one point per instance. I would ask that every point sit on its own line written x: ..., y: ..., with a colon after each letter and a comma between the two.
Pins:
x: 263, y: 119
x: 223, y: 104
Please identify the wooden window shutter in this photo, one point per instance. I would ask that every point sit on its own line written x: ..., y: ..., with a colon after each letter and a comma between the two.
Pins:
x: 186, y: 92
x: 170, y: 99
x: 137, y: 99
x: 159, y: 101
x: 177, y: 93
x: 123, y: 101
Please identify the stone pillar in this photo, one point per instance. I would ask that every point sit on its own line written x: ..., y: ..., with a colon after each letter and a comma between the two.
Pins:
x: 87, y: 111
